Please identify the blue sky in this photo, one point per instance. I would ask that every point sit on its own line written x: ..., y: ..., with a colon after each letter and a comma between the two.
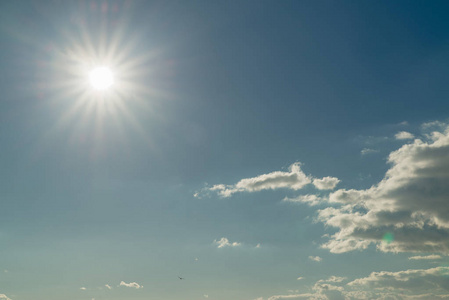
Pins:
x: 261, y: 150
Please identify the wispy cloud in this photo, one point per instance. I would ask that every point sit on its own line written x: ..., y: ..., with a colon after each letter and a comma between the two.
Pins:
x: 366, y: 151
x: 427, y: 257
x: 108, y: 286
x: 224, y: 242
x: 3, y: 296
x: 315, y: 258
x: 311, y: 200
x: 131, y: 285
x: 404, y: 135
x: 83, y: 288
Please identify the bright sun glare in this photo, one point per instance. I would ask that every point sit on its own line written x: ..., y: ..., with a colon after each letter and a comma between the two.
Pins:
x: 101, y: 78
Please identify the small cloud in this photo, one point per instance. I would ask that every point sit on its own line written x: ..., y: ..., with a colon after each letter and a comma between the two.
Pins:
x: 206, y: 296
x: 196, y: 258
x: 335, y: 279
x: 326, y: 183
x: 428, y: 257
x: 131, y: 285
x: 108, y: 286
x: 224, y: 242
x: 83, y: 288
x: 3, y: 296
x: 6, y: 271
x: 404, y: 135
x: 366, y: 151
x: 404, y: 123
x: 299, y: 278
x: 315, y: 258
x: 311, y: 200
x: 258, y: 245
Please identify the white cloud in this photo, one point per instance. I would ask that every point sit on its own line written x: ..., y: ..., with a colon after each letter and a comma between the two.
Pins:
x: 311, y: 200
x: 83, y: 288
x: 402, y: 285
x: 326, y: 183
x: 224, y: 242
x: 407, y: 211
x: 108, y: 286
x: 427, y: 257
x: 206, y: 296
x: 295, y: 179
x: 414, y: 281
x: 258, y: 245
x: 315, y: 258
x: 3, y: 296
x: 404, y: 135
x: 299, y: 278
x: 131, y: 285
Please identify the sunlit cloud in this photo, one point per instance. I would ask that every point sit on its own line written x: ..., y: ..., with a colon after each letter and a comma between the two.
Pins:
x: 326, y: 183
x: 131, y: 285
x: 3, y: 296
x: 404, y: 135
x: 83, y: 288
x: 407, y: 211
x: 108, y: 286
x: 294, y: 179
x: 224, y: 242
x: 426, y: 257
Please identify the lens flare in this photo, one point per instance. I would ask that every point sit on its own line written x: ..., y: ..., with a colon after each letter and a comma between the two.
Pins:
x: 388, y: 238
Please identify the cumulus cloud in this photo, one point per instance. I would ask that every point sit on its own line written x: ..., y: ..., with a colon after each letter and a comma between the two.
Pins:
x: 294, y: 179
x: 402, y: 285
x: 427, y: 257
x: 407, y: 211
x: 131, y: 285
x: 422, y: 280
x: 3, y: 296
x: 315, y: 258
x: 404, y: 135
x: 326, y: 183
x: 224, y: 242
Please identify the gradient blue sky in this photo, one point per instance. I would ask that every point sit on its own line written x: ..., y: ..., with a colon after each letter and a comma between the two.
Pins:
x: 262, y: 150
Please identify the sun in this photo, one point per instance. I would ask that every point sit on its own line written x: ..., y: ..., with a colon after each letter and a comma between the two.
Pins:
x: 101, y: 78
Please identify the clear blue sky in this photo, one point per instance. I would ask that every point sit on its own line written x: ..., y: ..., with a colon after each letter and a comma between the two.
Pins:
x: 261, y: 150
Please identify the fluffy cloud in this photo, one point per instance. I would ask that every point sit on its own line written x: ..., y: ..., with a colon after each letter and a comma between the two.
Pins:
x: 433, y: 280
x: 403, y: 285
x: 3, y: 296
x: 407, y: 211
x: 294, y: 179
x: 224, y: 242
x: 315, y: 258
x: 326, y: 183
x: 404, y: 135
x: 131, y: 285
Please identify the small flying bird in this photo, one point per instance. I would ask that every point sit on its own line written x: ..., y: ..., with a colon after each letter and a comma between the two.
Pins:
x: 181, y: 278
